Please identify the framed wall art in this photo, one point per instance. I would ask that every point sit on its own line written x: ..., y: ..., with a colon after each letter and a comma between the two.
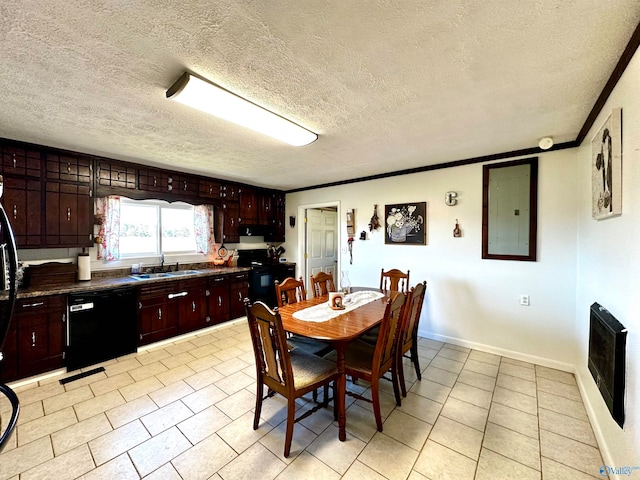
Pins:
x: 406, y: 223
x: 606, y: 170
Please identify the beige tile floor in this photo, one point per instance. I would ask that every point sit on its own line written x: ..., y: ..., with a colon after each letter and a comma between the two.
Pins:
x: 183, y: 410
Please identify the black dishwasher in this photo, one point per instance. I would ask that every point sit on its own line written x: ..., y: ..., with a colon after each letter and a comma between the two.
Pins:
x: 102, y: 325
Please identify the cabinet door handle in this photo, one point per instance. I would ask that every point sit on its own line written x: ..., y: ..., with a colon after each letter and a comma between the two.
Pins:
x: 210, y: 189
x: 14, y: 160
x: 33, y: 339
x: 240, y: 296
x: 15, y: 211
x: 207, y: 292
x: 176, y: 295
x: 68, y: 167
x: 155, y: 181
x: 64, y: 317
x: 160, y: 313
x: 219, y: 301
x: 193, y: 306
x: 37, y: 304
x: 69, y: 213
x: 139, y: 305
x: 185, y: 185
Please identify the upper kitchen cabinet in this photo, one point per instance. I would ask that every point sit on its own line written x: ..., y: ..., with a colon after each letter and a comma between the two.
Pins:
x: 115, y: 175
x: 68, y: 167
x: 167, y: 185
x: 248, y: 206
x: 184, y: 185
x: 22, y: 201
x: 277, y: 225
x: 21, y: 161
x: 210, y: 189
x: 231, y: 192
x: 265, y: 207
x: 230, y: 230
x: 154, y: 180
x: 68, y: 215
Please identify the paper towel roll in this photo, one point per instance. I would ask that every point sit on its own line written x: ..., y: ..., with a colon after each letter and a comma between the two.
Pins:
x: 84, y: 267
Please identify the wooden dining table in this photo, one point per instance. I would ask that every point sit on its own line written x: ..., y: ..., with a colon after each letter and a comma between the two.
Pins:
x: 339, y: 331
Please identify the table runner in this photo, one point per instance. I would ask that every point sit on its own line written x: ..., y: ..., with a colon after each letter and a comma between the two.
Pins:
x: 323, y: 312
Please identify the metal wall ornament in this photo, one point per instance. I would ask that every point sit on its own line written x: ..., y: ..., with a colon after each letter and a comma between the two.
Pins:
x: 374, y: 223
x: 406, y: 224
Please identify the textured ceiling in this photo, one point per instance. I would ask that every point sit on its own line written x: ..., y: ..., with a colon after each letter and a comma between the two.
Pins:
x: 387, y: 85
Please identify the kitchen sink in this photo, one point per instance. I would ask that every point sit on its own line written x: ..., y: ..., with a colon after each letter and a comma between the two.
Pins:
x: 182, y: 272
x: 149, y: 276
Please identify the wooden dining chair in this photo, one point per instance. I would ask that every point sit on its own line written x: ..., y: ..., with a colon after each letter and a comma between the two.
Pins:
x: 292, y: 374
x: 293, y: 291
x: 290, y: 291
x: 394, y: 280
x: 408, y: 336
x: 370, y: 362
x: 322, y: 283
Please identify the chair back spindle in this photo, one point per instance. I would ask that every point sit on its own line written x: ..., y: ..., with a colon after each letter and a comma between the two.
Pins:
x: 322, y: 283
x: 394, y: 280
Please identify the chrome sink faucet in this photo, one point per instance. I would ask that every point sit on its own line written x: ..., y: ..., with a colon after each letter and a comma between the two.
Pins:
x: 161, y: 261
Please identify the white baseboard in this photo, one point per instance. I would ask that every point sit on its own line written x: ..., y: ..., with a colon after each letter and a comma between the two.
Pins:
x: 524, y: 357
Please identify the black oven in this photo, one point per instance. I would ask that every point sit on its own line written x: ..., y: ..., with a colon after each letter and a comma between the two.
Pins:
x: 263, y: 274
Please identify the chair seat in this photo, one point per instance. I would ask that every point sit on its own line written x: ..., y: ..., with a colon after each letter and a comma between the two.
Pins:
x: 358, y: 357
x: 309, y: 369
x: 370, y: 336
x: 309, y: 345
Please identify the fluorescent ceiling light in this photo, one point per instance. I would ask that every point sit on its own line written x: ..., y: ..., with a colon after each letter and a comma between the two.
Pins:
x: 197, y: 93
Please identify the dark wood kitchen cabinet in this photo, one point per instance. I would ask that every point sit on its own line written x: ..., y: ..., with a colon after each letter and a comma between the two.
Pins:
x: 36, y: 341
x: 22, y: 201
x: 218, y: 295
x: 265, y: 207
x: 192, y: 305
x: 230, y: 230
x: 248, y: 206
x: 68, y: 167
x: 68, y: 214
x: 239, y: 291
x: 154, y: 180
x: 157, y: 312
x: 277, y: 226
x: 21, y: 161
x: 209, y: 189
x: 112, y: 174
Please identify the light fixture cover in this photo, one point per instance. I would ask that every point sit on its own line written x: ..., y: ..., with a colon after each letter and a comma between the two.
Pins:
x: 545, y: 143
x: 214, y: 100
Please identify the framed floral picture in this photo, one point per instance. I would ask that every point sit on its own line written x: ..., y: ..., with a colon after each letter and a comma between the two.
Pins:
x: 406, y: 224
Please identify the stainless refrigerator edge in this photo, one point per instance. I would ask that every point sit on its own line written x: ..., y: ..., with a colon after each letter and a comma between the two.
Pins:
x: 8, y: 283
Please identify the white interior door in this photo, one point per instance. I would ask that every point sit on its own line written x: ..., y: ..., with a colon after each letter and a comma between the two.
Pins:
x: 322, y: 242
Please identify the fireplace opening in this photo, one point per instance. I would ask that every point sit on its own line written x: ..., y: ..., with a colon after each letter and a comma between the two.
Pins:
x: 607, y: 352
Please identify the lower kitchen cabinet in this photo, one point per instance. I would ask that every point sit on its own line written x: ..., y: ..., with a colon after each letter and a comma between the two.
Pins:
x: 192, y: 305
x: 157, y: 312
x: 36, y: 340
x: 239, y: 291
x: 218, y: 294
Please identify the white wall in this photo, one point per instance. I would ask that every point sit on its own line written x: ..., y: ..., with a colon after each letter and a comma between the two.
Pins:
x: 472, y: 301
x: 609, y: 269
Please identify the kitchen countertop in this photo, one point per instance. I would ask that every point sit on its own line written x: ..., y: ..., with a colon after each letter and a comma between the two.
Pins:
x: 115, y: 282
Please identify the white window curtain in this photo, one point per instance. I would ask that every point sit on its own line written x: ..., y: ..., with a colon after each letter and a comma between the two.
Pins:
x: 203, y: 228
x: 107, y: 211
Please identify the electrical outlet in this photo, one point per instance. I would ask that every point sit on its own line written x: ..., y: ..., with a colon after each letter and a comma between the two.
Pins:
x: 524, y: 300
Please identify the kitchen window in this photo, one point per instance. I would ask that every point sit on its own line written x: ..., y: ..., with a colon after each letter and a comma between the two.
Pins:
x: 147, y: 228
x: 153, y: 227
